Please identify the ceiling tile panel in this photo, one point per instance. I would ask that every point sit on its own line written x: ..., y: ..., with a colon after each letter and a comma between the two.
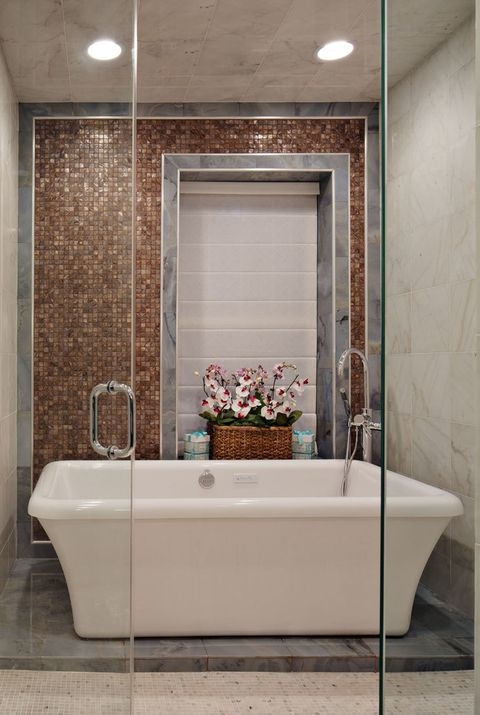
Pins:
x: 158, y: 60
x: 27, y: 21
x: 231, y: 54
x: 291, y: 57
x: 161, y: 95
x: 39, y: 63
x: 90, y: 20
x: 322, y: 21
x: 174, y: 19
x: 249, y: 19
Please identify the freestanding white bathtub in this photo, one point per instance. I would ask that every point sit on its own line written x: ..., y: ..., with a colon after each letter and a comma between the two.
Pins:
x: 271, y: 548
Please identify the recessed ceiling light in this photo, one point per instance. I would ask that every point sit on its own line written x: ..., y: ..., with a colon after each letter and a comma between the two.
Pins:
x: 334, y: 50
x: 104, y: 50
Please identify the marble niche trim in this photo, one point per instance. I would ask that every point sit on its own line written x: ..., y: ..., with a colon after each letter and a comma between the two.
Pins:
x: 333, y: 237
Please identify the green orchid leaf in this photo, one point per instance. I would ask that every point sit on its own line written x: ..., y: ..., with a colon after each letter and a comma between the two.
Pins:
x: 225, y: 420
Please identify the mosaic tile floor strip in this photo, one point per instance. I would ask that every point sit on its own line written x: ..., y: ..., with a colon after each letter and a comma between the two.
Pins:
x: 36, y: 633
x: 67, y: 693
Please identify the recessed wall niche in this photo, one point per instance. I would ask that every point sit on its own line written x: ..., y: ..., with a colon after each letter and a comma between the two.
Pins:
x: 331, y: 172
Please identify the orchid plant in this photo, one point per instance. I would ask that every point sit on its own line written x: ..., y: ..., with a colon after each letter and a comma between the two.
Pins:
x: 243, y: 397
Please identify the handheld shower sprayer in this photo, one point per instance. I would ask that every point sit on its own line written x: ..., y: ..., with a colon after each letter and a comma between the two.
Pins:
x: 346, y: 403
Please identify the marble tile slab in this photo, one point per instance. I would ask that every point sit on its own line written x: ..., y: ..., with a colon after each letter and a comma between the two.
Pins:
x: 331, y: 647
x: 157, y: 655
x: 246, y: 647
x: 313, y: 664
x: 170, y: 648
x: 273, y: 664
x: 171, y: 664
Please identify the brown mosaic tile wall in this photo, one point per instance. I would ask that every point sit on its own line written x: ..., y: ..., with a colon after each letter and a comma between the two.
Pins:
x: 236, y: 136
x: 82, y: 282
x: 82, y: 257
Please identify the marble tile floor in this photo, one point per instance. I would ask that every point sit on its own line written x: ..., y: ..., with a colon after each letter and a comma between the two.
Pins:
x: 67, y: 693
x: 36, y: 633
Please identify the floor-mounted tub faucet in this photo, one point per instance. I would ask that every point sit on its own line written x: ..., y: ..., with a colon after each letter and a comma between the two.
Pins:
x: 364, y: 419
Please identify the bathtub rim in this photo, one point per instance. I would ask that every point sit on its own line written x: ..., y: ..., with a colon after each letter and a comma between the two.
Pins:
x: 435, y: 503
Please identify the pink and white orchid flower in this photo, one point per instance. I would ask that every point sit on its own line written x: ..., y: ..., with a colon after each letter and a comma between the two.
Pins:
x: 268, y: 412
x: 242, y: 390
x: 285, y: 408
x: 299, y: 385
x: 278, y: 370
x: 240, y: 408
x: 211, y: 404
x: 223, y: 396
x: 213, y: 386
x: 245, y: 380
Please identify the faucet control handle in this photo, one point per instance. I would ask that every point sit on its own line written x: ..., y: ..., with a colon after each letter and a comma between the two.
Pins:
x: 364, y: 420
x: 370, y: 426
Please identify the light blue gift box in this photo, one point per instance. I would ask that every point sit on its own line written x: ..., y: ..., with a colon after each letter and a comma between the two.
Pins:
x: 194, y: 455
x: 197, y: 443
x: 303, y: 443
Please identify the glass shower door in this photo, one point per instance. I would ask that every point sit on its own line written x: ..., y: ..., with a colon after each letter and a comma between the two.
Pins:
x: 67, y: 125
x: 431, y: 271
x: 258, y: 241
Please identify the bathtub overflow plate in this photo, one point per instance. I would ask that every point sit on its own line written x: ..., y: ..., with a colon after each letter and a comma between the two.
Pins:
x: 206, y: 479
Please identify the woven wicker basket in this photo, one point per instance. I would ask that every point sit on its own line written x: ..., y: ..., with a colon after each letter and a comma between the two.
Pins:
x: 251, y: 442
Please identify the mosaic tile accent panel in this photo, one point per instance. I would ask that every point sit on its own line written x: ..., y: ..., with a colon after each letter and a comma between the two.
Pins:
x: 82, y: 185
x: 223, y: 136
x: 82, y: 282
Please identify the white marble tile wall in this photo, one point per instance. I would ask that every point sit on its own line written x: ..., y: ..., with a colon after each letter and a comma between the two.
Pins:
x: 8, y: 319
x: 471, y: 449
x: 431, y: 292
x: 247, y: 290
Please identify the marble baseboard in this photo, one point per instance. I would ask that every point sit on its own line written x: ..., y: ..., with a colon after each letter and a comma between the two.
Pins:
x: 312, y: 664
x: 281, y: 664
x: 170, y: 665
x: 430, y: 664
x: 279, y: 655
x: 82, y: 665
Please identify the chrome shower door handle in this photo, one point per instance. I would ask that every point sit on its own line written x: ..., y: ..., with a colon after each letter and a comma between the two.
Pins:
x: 112, y: 388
